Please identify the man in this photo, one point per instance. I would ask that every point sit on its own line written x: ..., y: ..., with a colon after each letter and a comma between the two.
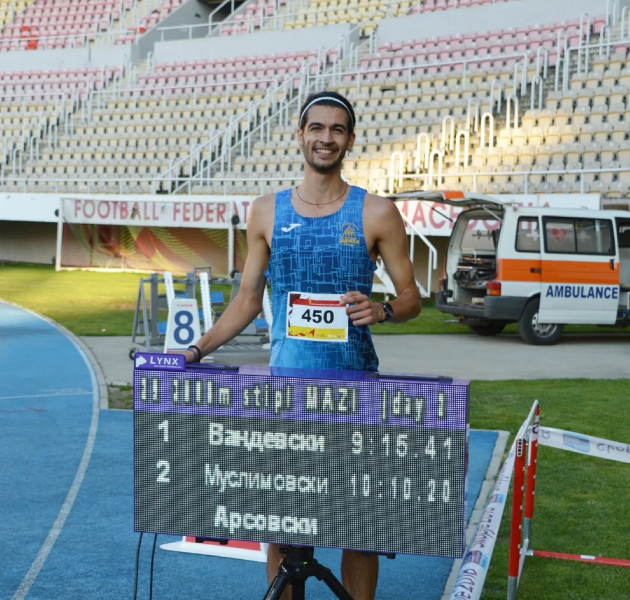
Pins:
x: 321, y: 239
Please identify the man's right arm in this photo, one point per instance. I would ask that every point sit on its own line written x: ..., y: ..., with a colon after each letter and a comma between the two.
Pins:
x: 248, y: 302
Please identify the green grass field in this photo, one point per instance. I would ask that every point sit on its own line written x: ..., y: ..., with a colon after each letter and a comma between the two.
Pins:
x: 90, y: 303
x: 581, y: 503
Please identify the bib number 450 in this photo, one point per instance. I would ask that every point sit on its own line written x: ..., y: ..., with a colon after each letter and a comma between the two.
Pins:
x: 317, y: 315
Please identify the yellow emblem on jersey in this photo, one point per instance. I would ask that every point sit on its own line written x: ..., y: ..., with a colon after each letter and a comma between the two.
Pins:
x: 349, y: 237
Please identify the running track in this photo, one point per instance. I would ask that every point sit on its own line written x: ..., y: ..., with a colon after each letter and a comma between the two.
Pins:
x: 66, y: 486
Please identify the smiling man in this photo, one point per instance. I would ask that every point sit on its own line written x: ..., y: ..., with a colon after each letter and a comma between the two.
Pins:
x: 317, y: 245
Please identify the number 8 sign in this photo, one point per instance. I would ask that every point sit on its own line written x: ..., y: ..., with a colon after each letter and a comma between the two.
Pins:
x: 182, y: 327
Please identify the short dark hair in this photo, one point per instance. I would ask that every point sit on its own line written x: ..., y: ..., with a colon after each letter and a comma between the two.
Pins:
x: 328, y: 99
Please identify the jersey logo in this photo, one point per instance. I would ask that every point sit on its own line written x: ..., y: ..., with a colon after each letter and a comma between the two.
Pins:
x: 290, y: 227
x: 349, y: 236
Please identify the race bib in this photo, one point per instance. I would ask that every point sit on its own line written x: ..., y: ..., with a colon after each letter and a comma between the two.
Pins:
x: 316, y: 317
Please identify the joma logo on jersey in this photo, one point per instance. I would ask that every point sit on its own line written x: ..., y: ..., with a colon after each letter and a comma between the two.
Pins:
x: 349, y: 236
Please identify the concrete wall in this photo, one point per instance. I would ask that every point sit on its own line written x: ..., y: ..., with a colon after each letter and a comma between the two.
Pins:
x: 37, y: 208
x: 486, y: 17
x: 290, y: 40
x: 64, y: 58
x: 21, y: 241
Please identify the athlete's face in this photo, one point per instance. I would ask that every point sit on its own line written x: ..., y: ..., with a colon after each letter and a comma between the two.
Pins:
x: 325, y: 137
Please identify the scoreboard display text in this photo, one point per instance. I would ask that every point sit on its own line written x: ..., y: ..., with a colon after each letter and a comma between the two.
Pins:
x: 360, y: 460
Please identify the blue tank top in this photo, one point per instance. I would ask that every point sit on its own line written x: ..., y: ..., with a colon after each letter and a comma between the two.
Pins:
x: 320, y: 255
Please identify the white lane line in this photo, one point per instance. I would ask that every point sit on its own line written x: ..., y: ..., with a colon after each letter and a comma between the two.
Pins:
x: 53, y: 534
x: 47, y: 395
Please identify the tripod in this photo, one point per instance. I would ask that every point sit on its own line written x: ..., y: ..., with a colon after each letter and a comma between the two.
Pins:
x: 295, y: 569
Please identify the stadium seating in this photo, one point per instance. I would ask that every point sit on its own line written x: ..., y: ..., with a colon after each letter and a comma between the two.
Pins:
x: 9, y: 9
x: 143, y: 130
x: 50, y: 85
x: 419, y: 99
x: 438, y: 5
x: 371, y: 12
x: 253, y: 17
x: 408, y: 94
x: 149, y: 21
x: 34, y: 102
x: 49, y: 24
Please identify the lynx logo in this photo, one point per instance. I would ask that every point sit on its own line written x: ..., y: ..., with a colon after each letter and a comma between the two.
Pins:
x: 162, y: 362
x: 349, y: 236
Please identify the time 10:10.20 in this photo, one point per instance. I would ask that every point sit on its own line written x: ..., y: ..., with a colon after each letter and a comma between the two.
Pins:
x: 401, y: 488
x: 398, y: 445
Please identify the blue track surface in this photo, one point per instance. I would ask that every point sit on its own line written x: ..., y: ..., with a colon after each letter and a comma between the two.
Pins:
x: 46, y: 411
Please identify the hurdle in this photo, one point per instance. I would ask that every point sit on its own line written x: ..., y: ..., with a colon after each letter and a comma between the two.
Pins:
x: 522, y: 461
x: 471, y: 575
x: 524, y: 490
x: 146, y: 323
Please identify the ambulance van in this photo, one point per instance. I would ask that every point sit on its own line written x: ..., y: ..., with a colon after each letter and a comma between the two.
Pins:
x: 540, y: 267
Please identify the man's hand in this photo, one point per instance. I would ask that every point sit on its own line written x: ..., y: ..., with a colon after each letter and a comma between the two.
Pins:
x: 362, y: 310
x: 189, y: 354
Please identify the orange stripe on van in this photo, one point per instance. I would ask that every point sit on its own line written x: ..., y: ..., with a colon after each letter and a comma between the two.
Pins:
x: 453, y: 194
x: 518, y: 269
x: 557, y: 271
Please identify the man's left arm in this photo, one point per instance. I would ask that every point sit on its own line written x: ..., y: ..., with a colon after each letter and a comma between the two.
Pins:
x: 388, y: 231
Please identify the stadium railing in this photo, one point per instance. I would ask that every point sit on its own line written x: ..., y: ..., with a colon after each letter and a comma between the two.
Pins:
x: 218, y: 150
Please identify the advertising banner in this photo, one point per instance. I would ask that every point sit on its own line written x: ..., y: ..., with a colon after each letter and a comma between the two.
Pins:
x: 584, y: 444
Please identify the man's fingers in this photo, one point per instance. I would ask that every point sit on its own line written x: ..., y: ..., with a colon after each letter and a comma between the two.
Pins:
x: 364, y: 321
x: 359, y: 308
x: 359, y: 315
x: 356, y: 308
x: 354, y: 298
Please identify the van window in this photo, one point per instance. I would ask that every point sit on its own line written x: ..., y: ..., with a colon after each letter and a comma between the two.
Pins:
x: 624, y: 235
x: 481, y: 240
x: 527, y: 235
x: 578, y: 236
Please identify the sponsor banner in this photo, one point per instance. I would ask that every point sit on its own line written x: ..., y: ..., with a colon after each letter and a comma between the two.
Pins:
x: 474, y: 567
x: 430, y: 218
x: 194, y: 212
x: 437, y: 219
x: 584, y: 444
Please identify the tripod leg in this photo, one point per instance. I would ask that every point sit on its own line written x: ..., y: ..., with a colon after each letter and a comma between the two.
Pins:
x: 335, y: 585
x: 298, y: 591
x: 278, y: 585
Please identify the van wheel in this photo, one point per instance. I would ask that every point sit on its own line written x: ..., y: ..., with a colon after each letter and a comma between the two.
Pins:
x: 533, y: 332
x: 488, y: 330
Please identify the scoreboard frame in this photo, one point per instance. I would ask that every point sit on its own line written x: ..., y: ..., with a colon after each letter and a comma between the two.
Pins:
x: 361, y: 460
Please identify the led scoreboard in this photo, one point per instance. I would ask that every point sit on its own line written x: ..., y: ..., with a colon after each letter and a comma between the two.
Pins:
x: 361, y: 460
